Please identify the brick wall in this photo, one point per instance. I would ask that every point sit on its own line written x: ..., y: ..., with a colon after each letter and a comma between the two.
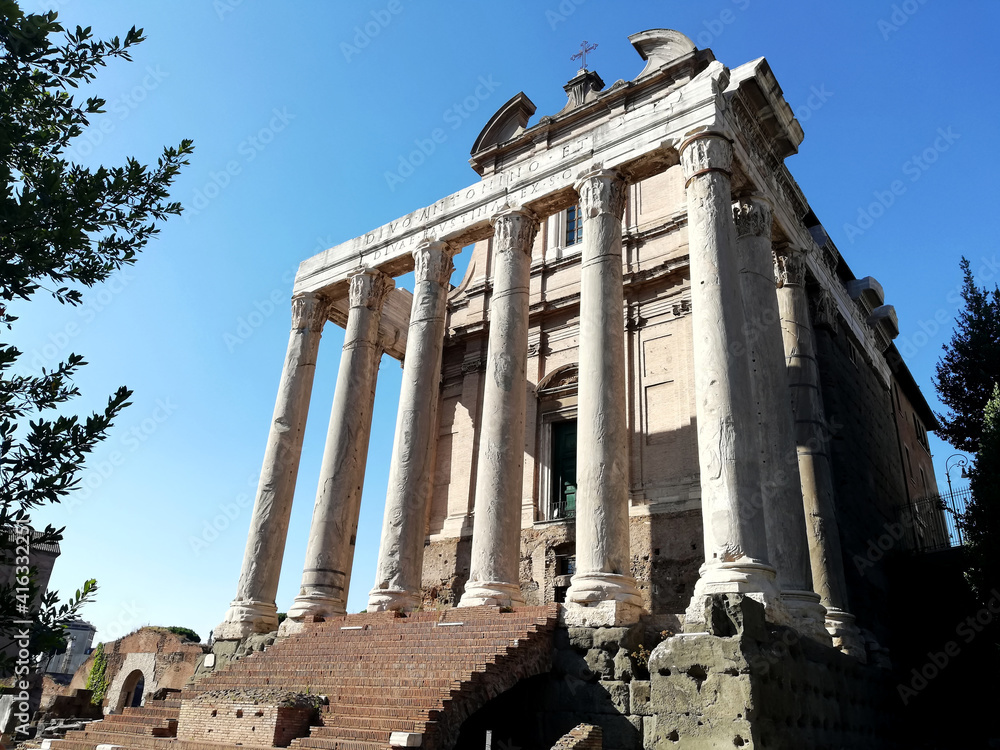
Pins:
x: 581, y: 737
x: 242, y: 723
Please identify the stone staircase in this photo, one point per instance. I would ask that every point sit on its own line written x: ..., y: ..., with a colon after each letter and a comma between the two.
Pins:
x: 135, y: 728
x: 388, y: 678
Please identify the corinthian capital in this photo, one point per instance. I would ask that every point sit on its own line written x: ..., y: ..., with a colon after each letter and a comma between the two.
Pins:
x: 432, y: 261
x: 602, y: 192
x: 514, y: 230
x: 369, y: 289
x: 706, y: 152
x: 789, y: 267
x: 309, y: 310
x: 753, y: 216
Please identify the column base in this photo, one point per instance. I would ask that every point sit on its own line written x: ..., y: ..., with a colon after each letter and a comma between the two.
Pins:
x: 491, y: 594
x: 315, y: 605
x: 807, y: 615
x: 588, y: 589
x: 745, y: 576
x: 246, y: 618
x: 608, y: 614
x: 846, y: 636
x: 399, y: 600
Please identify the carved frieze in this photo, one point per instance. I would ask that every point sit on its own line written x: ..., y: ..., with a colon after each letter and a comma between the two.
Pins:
x: 824, y: 311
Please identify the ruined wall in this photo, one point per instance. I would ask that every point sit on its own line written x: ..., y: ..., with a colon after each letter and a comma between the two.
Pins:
x: 866, y: 464
x: 166, y: 661
x: 743, y: 683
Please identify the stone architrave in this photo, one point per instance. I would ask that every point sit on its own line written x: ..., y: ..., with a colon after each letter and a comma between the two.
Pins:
x: 781, y: 490
x: 330, y: 550
x: 496, y: 531
x: 411, y: 472
x: 735, y: 537
x: 254, y: 610
x: 812, y: 440
x: 603, y: 578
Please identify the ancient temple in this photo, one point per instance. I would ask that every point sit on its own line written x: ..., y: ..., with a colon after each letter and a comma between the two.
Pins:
x: 659, y: 401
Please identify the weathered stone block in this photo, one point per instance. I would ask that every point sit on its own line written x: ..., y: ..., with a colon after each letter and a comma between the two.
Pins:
x: 639, y: 695
x: 624, y: 668
x: 581, y: 638
x: 619, y: 694
x: 601, y: 663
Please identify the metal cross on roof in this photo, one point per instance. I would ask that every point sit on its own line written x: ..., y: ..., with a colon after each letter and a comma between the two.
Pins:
x: 585, y: 47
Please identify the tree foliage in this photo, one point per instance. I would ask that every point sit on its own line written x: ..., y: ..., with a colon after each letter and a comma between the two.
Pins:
x: 970, y: 368
x: 63, y: 228
x: 981, y: 519
x: 184, y: 633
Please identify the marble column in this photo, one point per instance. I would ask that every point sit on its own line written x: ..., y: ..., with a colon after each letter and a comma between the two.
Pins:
x: 411, y: 472
x: 735, y: 539
x: 330, y: 550
x: 812, y: 440
x: 496, y: 531
x: 781, y: 490
x: 603, y: 580
x: 253, y: 610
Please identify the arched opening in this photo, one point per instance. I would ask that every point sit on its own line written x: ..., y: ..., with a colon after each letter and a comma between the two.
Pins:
x: 132, y: 691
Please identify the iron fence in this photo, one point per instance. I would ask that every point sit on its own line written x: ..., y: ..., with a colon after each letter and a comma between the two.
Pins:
x: 932, y: 523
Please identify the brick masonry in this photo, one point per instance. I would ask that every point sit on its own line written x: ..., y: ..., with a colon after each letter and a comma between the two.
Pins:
x: 242, y: 723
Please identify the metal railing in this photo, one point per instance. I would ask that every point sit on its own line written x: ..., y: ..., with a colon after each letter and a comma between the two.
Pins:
x: 560, y: 509
x: 931, y: 523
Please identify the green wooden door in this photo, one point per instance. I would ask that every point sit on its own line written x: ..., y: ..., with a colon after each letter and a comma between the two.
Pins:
x: 564, y: 469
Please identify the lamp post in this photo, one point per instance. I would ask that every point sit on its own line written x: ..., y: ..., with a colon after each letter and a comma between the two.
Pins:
x: 962, y: 461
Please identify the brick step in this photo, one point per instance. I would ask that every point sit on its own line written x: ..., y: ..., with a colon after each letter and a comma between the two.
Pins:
x: 148, y: 710
x: 348, y: 733
x: 366, y: 721
x: 330, y: 713
x: 332, y: 744
x: 149, y: 721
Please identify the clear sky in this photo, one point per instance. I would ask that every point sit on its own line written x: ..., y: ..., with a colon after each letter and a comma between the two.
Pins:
x: 300, y: 111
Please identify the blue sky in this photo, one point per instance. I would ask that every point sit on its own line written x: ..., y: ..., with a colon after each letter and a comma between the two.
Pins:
x: 299, y: 115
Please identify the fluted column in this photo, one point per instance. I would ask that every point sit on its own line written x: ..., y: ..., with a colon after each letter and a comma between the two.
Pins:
x: 823, y: 535
x: 330, y: 551
x: 781, y: 490
x: 411, y: 473
x: 735, y: 538
x: 254, y: 610
x: 603, y: 578
x: 496, y: 530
